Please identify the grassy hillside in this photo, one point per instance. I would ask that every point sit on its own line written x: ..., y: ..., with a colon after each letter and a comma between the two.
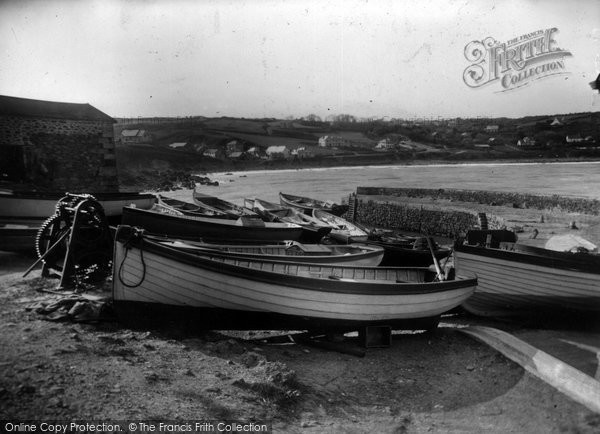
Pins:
x: 440, y: 140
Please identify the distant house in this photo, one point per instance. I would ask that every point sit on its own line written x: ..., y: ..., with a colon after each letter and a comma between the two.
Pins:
x: 213, y: 153
x: 556, y: 123
x: 302, y: 152
x: 525, y: 142
x: 385, y: 145
x: 177, y: 145
x: 255, y: 152
x: 234, y: 146
x: 492, y: 129
x: 278, y: 152
x: 574, y: 139
x: 199, y: 147
x: 332, y: 141
x: 134, y: 136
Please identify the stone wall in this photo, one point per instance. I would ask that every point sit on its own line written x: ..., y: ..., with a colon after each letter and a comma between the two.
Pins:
x: 404, y: 217
x: 64, y: 155
x: 516, y: 200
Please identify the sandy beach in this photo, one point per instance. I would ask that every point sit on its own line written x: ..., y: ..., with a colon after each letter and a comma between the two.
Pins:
x: 440, y: 382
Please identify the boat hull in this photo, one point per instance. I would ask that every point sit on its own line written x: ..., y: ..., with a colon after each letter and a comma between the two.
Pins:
x: 396, y: 256
x: 312, y: 234
x: 34, y: 207
x: 512, y: 283
x: 171, y: 278
x: 18, y: 239
x: 208, y: 228
x: 148, y: 315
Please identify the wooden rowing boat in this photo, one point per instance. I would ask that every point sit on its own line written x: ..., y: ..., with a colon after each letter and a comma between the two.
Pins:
x: 215, y: 204
x: 293, y: 251
x: 213, y: 290
x: 314, y: 229
x: 307, y: 205
x: 342, y: 230
x: 515, y: 279
x: 180, y: 207
x: 161, y: 221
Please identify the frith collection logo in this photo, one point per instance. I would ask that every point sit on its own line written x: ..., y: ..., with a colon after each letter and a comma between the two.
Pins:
x: 515, y: 63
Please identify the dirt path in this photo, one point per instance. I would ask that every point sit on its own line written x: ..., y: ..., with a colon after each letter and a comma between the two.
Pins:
x: 441, y: 382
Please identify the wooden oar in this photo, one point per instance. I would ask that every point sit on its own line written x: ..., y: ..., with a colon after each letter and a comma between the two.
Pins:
x: 435, y: 261
x: 41, y: 258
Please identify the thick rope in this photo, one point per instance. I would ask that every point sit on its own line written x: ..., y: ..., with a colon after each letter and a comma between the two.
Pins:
x: 127, y: 245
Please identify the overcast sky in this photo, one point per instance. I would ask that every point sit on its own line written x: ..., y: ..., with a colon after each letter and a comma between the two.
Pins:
x: 275, y: 59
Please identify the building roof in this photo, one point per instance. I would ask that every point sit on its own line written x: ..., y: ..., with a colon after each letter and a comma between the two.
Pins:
x: 177, y: 144
x: 13, y: 106
x: 132, y: 133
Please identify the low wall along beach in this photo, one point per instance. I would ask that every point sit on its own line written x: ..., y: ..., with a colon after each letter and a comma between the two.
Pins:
x: 448, y: 213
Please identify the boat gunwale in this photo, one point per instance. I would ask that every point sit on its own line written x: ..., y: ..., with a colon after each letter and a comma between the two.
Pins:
x: 364, y: 252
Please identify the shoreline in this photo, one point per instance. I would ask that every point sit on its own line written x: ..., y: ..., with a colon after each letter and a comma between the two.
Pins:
x: 418, y: 163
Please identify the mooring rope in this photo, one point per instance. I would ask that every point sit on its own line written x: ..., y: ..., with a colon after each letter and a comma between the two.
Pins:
x: 136, y: 233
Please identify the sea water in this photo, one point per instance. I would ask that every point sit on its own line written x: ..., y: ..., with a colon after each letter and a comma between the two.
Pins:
x: 573, y: 179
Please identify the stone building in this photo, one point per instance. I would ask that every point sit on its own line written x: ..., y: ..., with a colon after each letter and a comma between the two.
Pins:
x: 333, y: 141
x: 56, y: 146
x: 278, y: 152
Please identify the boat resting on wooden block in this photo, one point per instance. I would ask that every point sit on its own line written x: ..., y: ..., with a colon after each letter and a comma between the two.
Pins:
x: 161, y: 222
x: 516, y: 279
x: 347, y: 254
x: 153, y: 281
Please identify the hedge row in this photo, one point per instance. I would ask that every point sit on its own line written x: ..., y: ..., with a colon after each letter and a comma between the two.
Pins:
x: 400, y: 217
x: 516, y: 200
